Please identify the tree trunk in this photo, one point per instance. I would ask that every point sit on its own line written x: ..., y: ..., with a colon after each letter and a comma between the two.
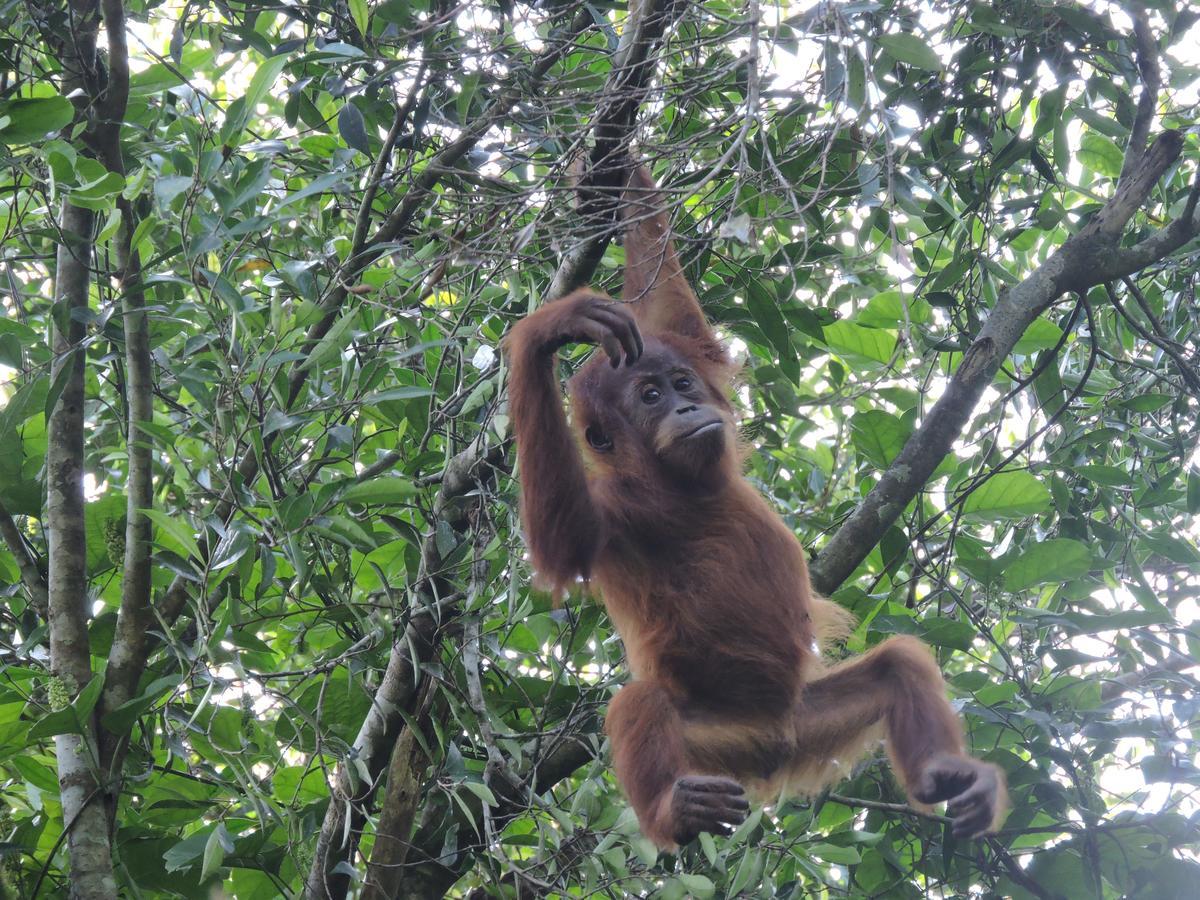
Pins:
x: 70, y: 656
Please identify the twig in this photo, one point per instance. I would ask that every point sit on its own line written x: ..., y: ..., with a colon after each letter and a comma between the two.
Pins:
x: 1188, y: 374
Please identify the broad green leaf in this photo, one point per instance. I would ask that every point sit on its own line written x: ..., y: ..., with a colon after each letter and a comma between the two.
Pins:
x: 219, y: 843
x: 260, y: 83
x: 335, y: 340
x: 765, y: 310
x: 879, y: 436
x: 1147, y: 402
x: 1106, y: 475
x: 843, y: 856
x: 908, y: 48
x: 352, y: 128
x: 1047, y: 562
x: 482, y: 791
x: 875, y: 344
x: 361, y: 16
x: 1100, y: 154
x: 225, y: 728
x: 386, y: 489
x: 1041, y: 334
x: 891, y: 310
x: 1008, y: 495
x: 31, y: 119
x: 98, y: 194
x: 178, y: 529
x: 698, y: 885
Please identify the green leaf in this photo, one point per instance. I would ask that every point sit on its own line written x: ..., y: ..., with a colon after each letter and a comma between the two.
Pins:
x: 890, y: 309
x: 1041, y: 334
x: 482, y: 791
x: 1110, y: 476
x: 408, y: 392
x: 1100, y: 154
x: 361, y: 16
x: 28, y: 401
x: 31, y: 119
x: 765, y: 310
x: 1047, y: 562
x: 352, y: 128
x: 879, y: 436
x: 122, y: 718
x: 1008, y: 495
x: 908, y: 48
x: 842, y: 856
x: 1144, y: 403
x: 317, y: 186
x: 225, y: 728
x: 240, y: 112
x: 336, y: 339
x: 218, y: 844
x: 63, y: 721
x: 942, y: 632
x: 177, y: 528
x: 70, y: 720
x: 99, y: 194
x: 387, y: 490
x: 875, y: 344
x: 698, y: 885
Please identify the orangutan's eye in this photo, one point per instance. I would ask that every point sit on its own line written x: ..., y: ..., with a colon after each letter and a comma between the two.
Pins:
x: 598, y: 440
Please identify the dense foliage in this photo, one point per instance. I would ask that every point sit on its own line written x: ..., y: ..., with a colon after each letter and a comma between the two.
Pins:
x: 333, y: 212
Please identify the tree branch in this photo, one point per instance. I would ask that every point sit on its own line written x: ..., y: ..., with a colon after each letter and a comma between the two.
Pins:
x: 1077, y: 265
x: 634, y: 65
x: 432, y: 599
x: 1188, y: 374
x: 631, y: 74
x: 399, y: 220
x: 1148, y: 68
x: 431, y: 877
x: 27, y: 564
x: 127, y: 655
x: 386, y: 870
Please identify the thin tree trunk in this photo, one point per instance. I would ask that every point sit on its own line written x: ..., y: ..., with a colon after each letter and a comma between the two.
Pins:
x: 70, y: 656
x: 127, y: 657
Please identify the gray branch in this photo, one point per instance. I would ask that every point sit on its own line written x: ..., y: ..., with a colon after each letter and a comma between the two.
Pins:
x: 1087, y: 258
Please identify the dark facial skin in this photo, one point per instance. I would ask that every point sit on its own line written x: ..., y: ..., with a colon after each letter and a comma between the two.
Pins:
x: 672, y: 408
x: 653, y: 388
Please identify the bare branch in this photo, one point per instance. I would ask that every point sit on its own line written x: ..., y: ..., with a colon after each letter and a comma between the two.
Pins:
x: 1148, y: 67
x: 612, y: 124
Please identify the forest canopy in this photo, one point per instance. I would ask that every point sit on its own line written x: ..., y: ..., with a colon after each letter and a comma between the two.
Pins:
x: 267, y: 624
